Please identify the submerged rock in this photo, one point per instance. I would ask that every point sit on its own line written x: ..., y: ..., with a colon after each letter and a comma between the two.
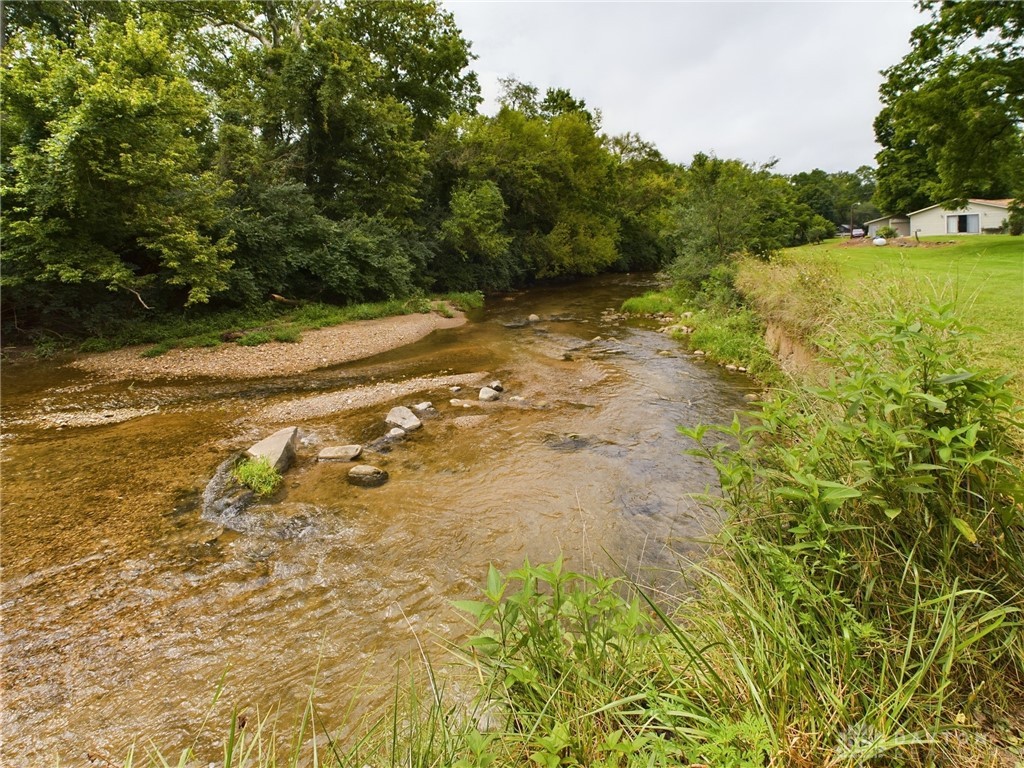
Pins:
x: 278, y: 449
x: 403, y: 418
x: 534, y: 318
x: 340, y: 453
x: 489, y: 395
x: 367, y: 476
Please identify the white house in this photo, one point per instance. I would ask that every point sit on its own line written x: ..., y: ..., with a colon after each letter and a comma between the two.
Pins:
x: 976, y: 217
x: 900, y: 223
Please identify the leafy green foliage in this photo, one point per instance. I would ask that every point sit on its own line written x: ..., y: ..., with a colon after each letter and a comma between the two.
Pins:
x: 888, y: 505
x: 841, y: 198
x: 953, y: 109
x: 727, y: 209
x: 255, y: 339
x: 258, y: 476
x: 107, y: 183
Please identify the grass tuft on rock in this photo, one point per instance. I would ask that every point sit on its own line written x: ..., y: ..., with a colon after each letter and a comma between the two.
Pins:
x: 258, y: 476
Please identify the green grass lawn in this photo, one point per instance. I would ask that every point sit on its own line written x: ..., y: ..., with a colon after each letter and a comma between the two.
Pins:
x: 982, y: 274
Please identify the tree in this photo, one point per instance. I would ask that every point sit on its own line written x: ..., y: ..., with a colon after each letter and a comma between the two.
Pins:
x: 106, y: 182
x: 837, y: 197
x: 952, y: 122
x: 645, y: 185
x: 728, y: 208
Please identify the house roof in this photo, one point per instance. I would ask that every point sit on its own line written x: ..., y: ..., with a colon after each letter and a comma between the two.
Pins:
x: 887, y: 218
x: 1002, y: 203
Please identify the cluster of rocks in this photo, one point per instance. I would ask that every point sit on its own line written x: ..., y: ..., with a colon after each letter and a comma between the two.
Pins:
x: 279, y: 449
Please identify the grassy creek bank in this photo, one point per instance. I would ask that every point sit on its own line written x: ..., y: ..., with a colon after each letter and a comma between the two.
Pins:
x: 864, y: 602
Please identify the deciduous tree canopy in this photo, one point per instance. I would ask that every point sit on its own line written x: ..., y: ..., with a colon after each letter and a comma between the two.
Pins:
x: 213, y: 152
x: 952, y: 124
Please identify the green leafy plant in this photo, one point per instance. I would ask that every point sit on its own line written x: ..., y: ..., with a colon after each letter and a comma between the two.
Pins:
x: 288, y: 334
x: 255, y: 339
x: 160, y: 349
x: 258, y: 476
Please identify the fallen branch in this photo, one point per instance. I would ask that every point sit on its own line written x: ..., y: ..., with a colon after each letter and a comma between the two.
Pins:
x: 138, y: 296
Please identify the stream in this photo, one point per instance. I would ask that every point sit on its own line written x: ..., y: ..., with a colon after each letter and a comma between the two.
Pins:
x: 130, y: 618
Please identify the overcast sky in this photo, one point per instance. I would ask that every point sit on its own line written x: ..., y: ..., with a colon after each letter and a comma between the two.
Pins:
x: 797, y: 81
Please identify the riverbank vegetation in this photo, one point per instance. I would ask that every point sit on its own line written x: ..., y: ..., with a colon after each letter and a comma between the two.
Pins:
x: 168, y: 167
x: 170, y: 162
x: 862, y: 605
x: 835, y: 287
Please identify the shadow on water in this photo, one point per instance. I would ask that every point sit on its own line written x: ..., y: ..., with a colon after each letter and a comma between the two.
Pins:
x: 124, y: 604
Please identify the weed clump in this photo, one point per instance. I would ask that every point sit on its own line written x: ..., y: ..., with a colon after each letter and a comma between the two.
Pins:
x: 255, y: 339
x: 258, y: 476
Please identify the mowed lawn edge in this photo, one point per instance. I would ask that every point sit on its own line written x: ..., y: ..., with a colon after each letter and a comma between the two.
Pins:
x: 813, y: 288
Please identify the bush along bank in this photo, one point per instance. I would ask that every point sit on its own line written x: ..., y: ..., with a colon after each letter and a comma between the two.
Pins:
x: 714, y: 322
x: 863, y: 605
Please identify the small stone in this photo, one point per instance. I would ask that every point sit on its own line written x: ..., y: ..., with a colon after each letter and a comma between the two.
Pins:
x: 423, y: 407
x: 517, y: 399
x: 534, y: 318
x: 402, y: 417
x: 742, y: 369
x: 456, y: 388
x: 731, y: 367
x: 340, y: 453
x: 496, y: 386
x: 698, y: 353
x: 596, y: 338
x: 460, y: 403
x: 488, y: 395
x: 396, y: 433
x: 367, y: 476
x: 664, y: 353
x: 751, y: 397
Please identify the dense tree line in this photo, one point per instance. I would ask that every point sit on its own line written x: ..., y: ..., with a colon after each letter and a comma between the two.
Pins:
x: 175, y: 156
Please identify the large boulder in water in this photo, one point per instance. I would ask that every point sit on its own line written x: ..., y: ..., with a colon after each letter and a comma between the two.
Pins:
x: 278, y: 449
x: 367, y: 476
x: 403, y: 418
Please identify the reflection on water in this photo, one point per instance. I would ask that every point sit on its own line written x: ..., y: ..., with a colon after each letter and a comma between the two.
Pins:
x: 123, y: 608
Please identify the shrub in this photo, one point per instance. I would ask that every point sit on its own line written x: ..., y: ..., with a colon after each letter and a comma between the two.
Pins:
x: 465, y: 300
x: 160, y: 349
x: 880, y: 518
x: 289, y: 334
x: 887, y: 232
x: 650, y: 303
x: 205, y: 340
x: 255, y: 338
x: 258, y: 476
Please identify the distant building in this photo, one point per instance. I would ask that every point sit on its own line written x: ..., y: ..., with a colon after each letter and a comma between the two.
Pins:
x: 977, y: 217
x: 900, y: 223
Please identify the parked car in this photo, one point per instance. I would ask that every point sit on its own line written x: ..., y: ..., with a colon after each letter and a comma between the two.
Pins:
x: 857, y: 232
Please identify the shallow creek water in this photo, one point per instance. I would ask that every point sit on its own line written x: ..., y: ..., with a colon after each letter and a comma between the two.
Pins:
x: 124, y: 609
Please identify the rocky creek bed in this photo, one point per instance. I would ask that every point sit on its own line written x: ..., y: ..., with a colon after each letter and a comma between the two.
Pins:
x: 125, y: 602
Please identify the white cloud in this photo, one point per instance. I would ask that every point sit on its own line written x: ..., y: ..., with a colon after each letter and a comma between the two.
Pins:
x: 796, y: 81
